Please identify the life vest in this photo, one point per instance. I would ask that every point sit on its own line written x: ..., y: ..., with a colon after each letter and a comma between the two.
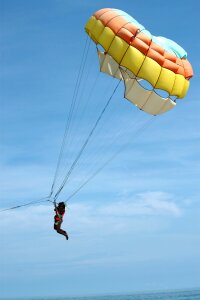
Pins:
x: 58, y: 216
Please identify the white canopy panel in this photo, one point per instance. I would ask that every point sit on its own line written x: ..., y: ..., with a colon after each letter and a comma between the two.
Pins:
x: 146, y: 100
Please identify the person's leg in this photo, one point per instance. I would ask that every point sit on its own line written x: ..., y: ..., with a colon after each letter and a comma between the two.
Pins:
x: 60, y: 231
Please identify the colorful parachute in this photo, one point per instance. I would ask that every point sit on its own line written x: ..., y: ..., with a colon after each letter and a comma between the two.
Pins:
x: 132, y: 54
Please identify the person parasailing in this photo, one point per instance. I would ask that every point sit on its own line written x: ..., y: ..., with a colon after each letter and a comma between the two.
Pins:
x: 58, y: 218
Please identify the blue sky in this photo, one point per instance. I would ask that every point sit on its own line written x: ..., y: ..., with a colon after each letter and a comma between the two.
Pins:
x: 135, y: 226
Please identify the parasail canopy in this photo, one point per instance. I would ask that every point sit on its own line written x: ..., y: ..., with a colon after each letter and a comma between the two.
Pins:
x: 132, y: 54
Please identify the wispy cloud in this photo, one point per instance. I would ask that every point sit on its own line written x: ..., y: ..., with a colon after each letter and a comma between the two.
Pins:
x: 150, y: 203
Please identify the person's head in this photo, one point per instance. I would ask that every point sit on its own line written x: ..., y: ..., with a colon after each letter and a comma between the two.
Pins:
x: 61, y: 204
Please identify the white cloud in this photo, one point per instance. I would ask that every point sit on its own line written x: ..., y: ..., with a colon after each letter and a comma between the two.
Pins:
x: 150, y: 203
x: 147, y: 212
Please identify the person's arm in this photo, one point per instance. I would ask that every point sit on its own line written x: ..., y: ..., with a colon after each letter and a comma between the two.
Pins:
x: 55, y: 207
